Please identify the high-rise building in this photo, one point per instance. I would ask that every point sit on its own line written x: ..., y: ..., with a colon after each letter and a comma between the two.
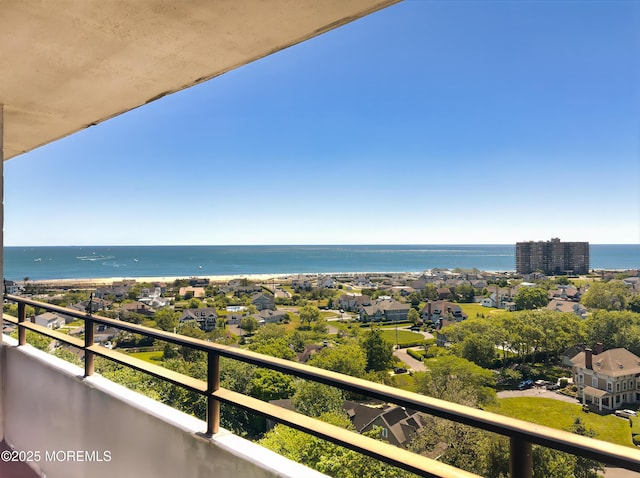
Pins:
x: 552, y: 257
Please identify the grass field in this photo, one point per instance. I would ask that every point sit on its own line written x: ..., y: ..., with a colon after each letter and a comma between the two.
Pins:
x: 152, y: 357
x: 404, y: 336
x: 561, y: 415
x: 474, y: 310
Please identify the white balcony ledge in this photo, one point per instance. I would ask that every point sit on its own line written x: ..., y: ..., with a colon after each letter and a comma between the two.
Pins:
x: 110, y: 431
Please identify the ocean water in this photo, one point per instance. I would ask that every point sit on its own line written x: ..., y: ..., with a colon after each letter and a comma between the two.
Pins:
x: 82, y: 262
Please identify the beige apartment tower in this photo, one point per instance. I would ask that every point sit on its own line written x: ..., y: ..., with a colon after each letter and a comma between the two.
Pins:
x: 552, y: 257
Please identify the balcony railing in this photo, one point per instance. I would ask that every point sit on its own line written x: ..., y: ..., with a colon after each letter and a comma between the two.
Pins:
x: 521, y: 434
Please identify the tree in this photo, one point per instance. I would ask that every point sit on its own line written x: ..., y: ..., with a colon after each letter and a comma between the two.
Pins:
x: 271, y: 385
x: 528, y: 298
x: 349, y: 359
x: 413, y: 316
x: 456, y: 380
x: 379, y: 352
x: 249, y: 324
x: 465, y: 293
x: 308, y: 314
x: 478, y: 349
x: 612, y: 295
x: 314, y: 399
x: 167, y: 319
x: 634, y: 303
x: 326, y: 457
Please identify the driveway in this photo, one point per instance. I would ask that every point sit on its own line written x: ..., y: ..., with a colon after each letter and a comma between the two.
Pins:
x: 412, y: 363
x: 537, y: 392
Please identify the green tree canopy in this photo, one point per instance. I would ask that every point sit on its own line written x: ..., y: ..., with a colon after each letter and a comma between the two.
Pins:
x: 528, y: 298
x: 309, y: 314
x: 379, y: 352
x: 314, y: 399
x: 349, y: 359
x: 612, y: 295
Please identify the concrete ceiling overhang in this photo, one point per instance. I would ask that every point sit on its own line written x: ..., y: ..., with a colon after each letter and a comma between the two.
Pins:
x: 69, y: 64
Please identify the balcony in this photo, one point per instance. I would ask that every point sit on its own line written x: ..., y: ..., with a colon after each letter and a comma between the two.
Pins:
x: 82, y: 424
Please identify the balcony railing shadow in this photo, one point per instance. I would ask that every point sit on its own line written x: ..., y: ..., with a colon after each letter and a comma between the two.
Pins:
x: 521, y: 434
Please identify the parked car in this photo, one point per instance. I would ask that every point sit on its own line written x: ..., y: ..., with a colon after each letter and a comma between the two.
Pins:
x: 553, y: 386
x: 626, y: 413
x: 525, y: 385
x: 399, y: 370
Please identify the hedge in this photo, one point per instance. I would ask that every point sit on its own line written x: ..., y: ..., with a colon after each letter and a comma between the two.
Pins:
x: 415, y: 354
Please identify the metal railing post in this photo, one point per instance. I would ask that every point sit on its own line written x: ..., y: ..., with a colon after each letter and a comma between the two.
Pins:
x: 22, y: 316
x: 520, y: 458
x: 213, y: 384
x: 88, y: 342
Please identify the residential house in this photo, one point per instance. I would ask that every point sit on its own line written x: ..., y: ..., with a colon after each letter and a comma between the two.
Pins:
x: 384, y: 309
x: 12, y: 287
x: 561, y: 305
x: 441, y: 339
x: 633, y: 282
x: 263, y: 301
x: 206, y: 317
x: 441, y: 309
x: 444, y: 293
x: 607, y: 379
x: 301, y: 282
x: 136, y: 307
x: 50, y: 320
x: 117, y: 292
x: 326, y: 282
x: 353, y: 303
x: 268, y: 316
x: 362, y: 282
x: 570, y: 353
x: 196, y: 292
x: 398, y: 425
x: 198, y: 282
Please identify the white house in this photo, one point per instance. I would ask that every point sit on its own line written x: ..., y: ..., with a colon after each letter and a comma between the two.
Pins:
x: 50, y: 320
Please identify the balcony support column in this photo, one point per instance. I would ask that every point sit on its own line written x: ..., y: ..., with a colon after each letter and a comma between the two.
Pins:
x: 520, y: 458
x: 213, y: 384
x: 88, y: 342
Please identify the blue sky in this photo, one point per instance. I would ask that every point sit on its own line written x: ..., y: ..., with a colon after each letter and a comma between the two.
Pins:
x: 425, y: 123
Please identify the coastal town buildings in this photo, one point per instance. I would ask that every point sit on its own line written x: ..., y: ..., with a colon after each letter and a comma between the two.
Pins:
x: 552, y: 257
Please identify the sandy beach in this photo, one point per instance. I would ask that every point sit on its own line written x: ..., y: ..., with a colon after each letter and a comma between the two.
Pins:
x: 217, y: 279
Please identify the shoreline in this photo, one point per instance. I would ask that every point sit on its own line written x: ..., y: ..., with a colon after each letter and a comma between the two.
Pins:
x: 225, y: 278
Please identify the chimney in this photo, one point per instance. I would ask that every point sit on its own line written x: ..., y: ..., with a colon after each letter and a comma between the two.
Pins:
x: 599, y: 348
x: 440, y: 323
x: 588, y: 362
x: 429, y: 311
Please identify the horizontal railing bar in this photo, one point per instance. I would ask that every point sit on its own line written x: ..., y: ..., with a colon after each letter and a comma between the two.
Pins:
x: 176, y: 378
x: 609, y: 453
x: 383, y: 451
x: 380, y: 450
x: 54, y: 334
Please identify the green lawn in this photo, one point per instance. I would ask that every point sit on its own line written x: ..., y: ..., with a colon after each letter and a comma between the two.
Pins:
x: 474, y: 310
x: 561, y: 415
x: 404, y: 336
x: 152, y: 357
